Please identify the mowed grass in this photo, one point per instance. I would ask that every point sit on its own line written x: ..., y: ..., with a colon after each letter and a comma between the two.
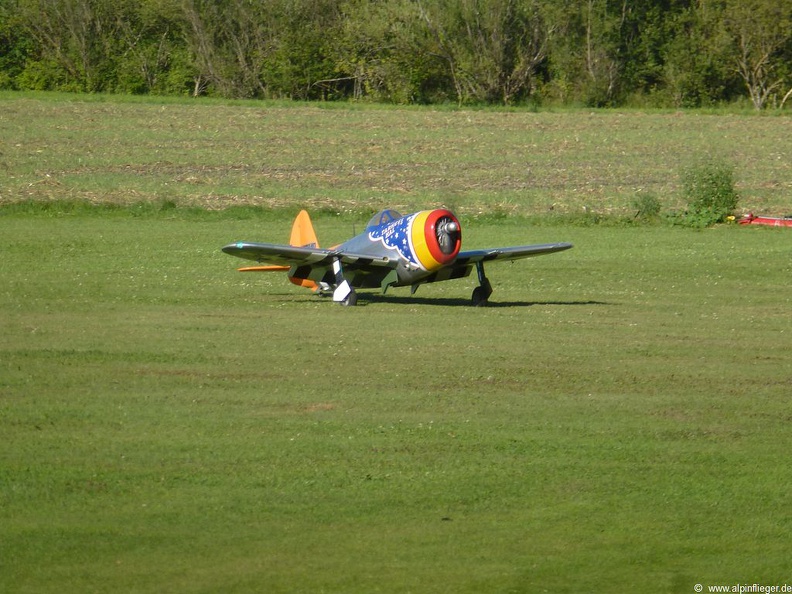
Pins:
x: 618, y: 421
x: 217, y: 154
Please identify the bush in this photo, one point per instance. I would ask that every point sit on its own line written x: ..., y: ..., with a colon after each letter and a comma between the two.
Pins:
x: 710, y: 194
x: 647, y: 207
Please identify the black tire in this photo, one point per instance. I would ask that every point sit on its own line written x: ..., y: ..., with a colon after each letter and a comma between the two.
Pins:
x: 351, y: 300
x: 480, y: 297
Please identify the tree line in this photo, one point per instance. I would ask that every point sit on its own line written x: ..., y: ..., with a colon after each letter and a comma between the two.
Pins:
x: 682, y: 53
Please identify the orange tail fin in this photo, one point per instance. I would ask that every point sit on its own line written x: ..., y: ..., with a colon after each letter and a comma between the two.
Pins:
x: 303, y: 235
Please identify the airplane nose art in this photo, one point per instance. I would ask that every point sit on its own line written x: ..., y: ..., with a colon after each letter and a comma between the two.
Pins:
x: 436, y: 238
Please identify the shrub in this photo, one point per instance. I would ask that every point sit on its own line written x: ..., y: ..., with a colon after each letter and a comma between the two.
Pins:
x: 710, y: 194
x: 647, y: 207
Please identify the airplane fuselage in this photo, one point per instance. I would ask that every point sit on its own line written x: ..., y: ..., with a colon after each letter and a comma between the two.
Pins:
x: 420, y: 244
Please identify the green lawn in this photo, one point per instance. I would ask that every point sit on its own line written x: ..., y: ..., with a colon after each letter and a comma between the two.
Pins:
x: 617, y: 421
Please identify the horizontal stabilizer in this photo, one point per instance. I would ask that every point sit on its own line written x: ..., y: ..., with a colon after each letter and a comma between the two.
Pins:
x: 265, y: 269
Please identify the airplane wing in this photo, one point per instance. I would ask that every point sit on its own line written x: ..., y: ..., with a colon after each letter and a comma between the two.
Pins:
x: 509, y: 253
x: 289, y: 255
x: 466, y: 260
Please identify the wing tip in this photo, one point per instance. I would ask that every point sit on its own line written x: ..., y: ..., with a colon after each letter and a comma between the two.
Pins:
x: 233, y: 247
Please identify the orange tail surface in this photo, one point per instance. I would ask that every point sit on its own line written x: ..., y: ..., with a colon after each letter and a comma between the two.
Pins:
x: 303, y: 235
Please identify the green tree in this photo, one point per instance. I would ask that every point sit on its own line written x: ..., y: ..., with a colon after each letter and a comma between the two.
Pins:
x: 77, y: 37
x: 761, y: 30
x: 603, y: 67
x: 696, y: 69
x: 15, y: 44
x: 380, y: 50
x: 492, y: 49
x: 153, y: 58
x: 599, y: 52
x: 583, y: 57
x: 298, y: 57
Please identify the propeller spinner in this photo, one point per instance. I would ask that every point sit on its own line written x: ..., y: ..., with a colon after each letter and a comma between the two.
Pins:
x: 447, y: 231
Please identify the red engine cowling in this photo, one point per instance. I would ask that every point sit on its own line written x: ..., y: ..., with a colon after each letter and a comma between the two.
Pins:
x: 436, y: 237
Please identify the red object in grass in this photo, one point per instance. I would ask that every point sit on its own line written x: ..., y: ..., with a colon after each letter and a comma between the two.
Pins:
x: 752, y: 219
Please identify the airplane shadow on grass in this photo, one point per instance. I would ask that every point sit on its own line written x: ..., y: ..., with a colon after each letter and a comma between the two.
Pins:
x: 365, y: 299
x: 373, y: 298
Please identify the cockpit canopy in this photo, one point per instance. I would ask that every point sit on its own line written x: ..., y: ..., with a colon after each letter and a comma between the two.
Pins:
x: 383, y: 217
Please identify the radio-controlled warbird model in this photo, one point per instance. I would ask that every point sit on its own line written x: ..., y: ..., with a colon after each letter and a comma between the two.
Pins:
x: 393, y: 251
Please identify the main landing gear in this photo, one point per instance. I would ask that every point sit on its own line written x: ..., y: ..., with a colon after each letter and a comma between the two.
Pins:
x: 346, y: 296
x: 481, y: 294
x: 343, y: 293
x: 350, y: 300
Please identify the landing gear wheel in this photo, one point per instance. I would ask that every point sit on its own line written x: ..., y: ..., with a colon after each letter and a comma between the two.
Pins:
x: 480, y: 297
x: 351, y: 300
x: 481, y: 294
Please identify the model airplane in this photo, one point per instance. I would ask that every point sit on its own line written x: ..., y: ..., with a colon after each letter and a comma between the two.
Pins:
x: 393, y: 251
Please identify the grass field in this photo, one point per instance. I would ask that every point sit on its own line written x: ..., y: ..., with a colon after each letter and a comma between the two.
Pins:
x: 220, y: 154
x: 618, y: 421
